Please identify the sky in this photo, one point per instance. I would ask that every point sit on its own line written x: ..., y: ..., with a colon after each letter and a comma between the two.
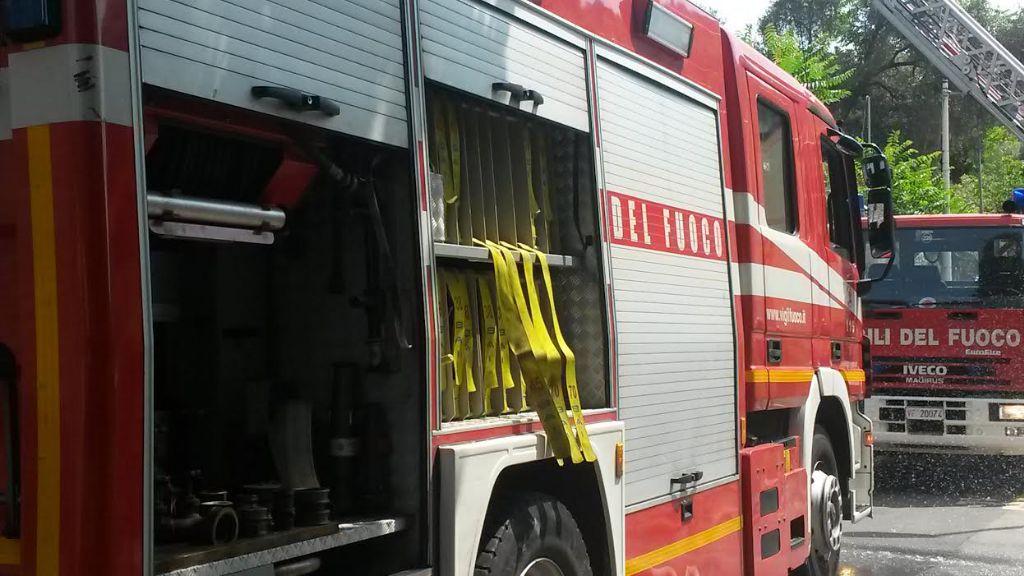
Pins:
x: 738, y: 13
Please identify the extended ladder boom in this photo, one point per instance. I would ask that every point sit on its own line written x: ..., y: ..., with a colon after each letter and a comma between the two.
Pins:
x: 965, y: 53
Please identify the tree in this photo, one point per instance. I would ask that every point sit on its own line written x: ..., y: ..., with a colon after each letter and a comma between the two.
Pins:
x: 917, y: 188
x: 1001, y: 171
x: 814, y: 67
x: 903, y: 85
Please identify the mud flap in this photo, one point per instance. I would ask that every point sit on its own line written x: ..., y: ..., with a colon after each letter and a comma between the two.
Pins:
x: 862, y: 485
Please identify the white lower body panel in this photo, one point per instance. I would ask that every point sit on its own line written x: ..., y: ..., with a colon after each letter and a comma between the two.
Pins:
x: 468, y: 473
x: 964, y: 426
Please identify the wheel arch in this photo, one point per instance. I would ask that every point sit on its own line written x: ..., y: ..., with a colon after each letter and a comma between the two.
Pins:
x: 472, y: 475
x: 830, y: 418
x: 828, y: 405
x: 578, y: 487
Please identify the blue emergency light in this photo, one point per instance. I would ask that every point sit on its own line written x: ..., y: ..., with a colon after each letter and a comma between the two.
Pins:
x: 1018, y: 197
x: 30, y: 20
x: 1016, y: 202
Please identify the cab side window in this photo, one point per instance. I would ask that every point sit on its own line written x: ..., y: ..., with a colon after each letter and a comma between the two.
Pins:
x: 777, y: 168
x: 836, y: 172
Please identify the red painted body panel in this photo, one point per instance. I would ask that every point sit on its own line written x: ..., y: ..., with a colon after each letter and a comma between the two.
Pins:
x: 99, y: 308
x: 619, y: 21
x: 99, y: 312
x: 101, y: 347
x: 923, y: 349
x: 764, y: 472
x: 660, y: 526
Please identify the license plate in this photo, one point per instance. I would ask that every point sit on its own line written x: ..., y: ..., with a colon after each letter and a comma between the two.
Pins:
x: 925, y: 413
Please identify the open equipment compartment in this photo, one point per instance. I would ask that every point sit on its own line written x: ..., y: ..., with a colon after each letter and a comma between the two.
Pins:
x: 509, y: 177
x: 288, y: 420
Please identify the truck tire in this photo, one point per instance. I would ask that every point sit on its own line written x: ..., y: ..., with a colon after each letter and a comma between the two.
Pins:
x: 826, y: 507
x: 531, y: 534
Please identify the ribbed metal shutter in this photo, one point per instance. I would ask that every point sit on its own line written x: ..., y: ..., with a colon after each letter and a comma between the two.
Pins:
x: 471, y: 46
x: 673, y: 303
x: 349, y: 51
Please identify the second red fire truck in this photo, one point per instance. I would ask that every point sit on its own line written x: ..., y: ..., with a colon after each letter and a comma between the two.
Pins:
x: 945, y: 328
x: 423, y: 286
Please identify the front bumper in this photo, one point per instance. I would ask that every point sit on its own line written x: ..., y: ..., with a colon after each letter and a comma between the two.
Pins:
x: 965, y: 426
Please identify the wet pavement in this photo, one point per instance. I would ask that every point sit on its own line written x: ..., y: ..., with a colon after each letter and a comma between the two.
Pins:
x: 941, y: 516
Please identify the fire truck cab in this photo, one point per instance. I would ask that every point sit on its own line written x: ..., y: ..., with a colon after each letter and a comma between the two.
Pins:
x: 421, y: 286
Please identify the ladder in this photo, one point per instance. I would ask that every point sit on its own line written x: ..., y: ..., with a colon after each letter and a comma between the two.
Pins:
x: 965, y: 53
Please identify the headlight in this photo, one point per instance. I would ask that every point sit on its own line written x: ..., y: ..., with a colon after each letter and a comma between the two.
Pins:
x: 1011, y: 411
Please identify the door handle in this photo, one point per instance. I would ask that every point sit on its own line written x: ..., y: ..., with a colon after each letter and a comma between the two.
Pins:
x: 297, y: 100
x: 686, y: 479
x: 534, y: 95
x: 775, y: 351
x: 516, y: 91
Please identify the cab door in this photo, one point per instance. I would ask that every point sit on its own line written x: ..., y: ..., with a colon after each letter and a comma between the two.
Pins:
x: 785, y: 231
x: 840, y: 250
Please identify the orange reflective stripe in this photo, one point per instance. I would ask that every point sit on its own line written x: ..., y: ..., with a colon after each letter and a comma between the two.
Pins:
x: 686, y: 545
x: 44, y: 256
x: 10, y: 551
x: 779, y: 375
x: 856, y: 375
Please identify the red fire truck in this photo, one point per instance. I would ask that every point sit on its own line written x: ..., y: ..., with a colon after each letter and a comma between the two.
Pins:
x: 945, y: 329
x: 437, y: 286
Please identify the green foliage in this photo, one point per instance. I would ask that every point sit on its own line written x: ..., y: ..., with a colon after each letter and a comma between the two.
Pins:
x: 917, y: 186
x: 1001, y: 171
x: 814, y: 22
x: 814, y: 66
x: 902, y: 84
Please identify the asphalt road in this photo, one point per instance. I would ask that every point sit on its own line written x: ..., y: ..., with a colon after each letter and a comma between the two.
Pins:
x: 941, y: 516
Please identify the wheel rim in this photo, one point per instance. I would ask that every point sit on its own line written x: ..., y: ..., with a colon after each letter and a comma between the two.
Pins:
x: 542, y: 567
x: 826, y: 511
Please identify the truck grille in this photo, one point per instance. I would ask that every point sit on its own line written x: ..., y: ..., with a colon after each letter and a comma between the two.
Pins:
x: 894, y: 417
x: 929, y: 427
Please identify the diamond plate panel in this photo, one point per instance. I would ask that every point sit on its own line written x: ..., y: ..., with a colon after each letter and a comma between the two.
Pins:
x: 581, y: 313
x: 579, y: 297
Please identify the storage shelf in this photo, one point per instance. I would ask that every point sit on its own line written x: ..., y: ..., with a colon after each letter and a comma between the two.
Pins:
x: 248, y: 553
x: 481, y: 254
x: 484, y: 422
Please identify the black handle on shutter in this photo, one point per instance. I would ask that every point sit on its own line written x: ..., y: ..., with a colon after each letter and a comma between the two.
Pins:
x: 686, y: 479
x: 297, y: 100
x: 534, y: 95
x: 516, y: 91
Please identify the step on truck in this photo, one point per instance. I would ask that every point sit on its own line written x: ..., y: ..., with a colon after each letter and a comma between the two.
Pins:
x: 945, y: 329
x: 437, y: 287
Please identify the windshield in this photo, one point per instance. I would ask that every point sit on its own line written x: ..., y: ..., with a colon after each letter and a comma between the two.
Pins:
x: 969, y: 266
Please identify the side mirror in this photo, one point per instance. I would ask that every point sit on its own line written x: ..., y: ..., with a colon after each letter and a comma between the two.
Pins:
x: 879, y: 212
x: 881, y: 223
x: 877, y: 172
